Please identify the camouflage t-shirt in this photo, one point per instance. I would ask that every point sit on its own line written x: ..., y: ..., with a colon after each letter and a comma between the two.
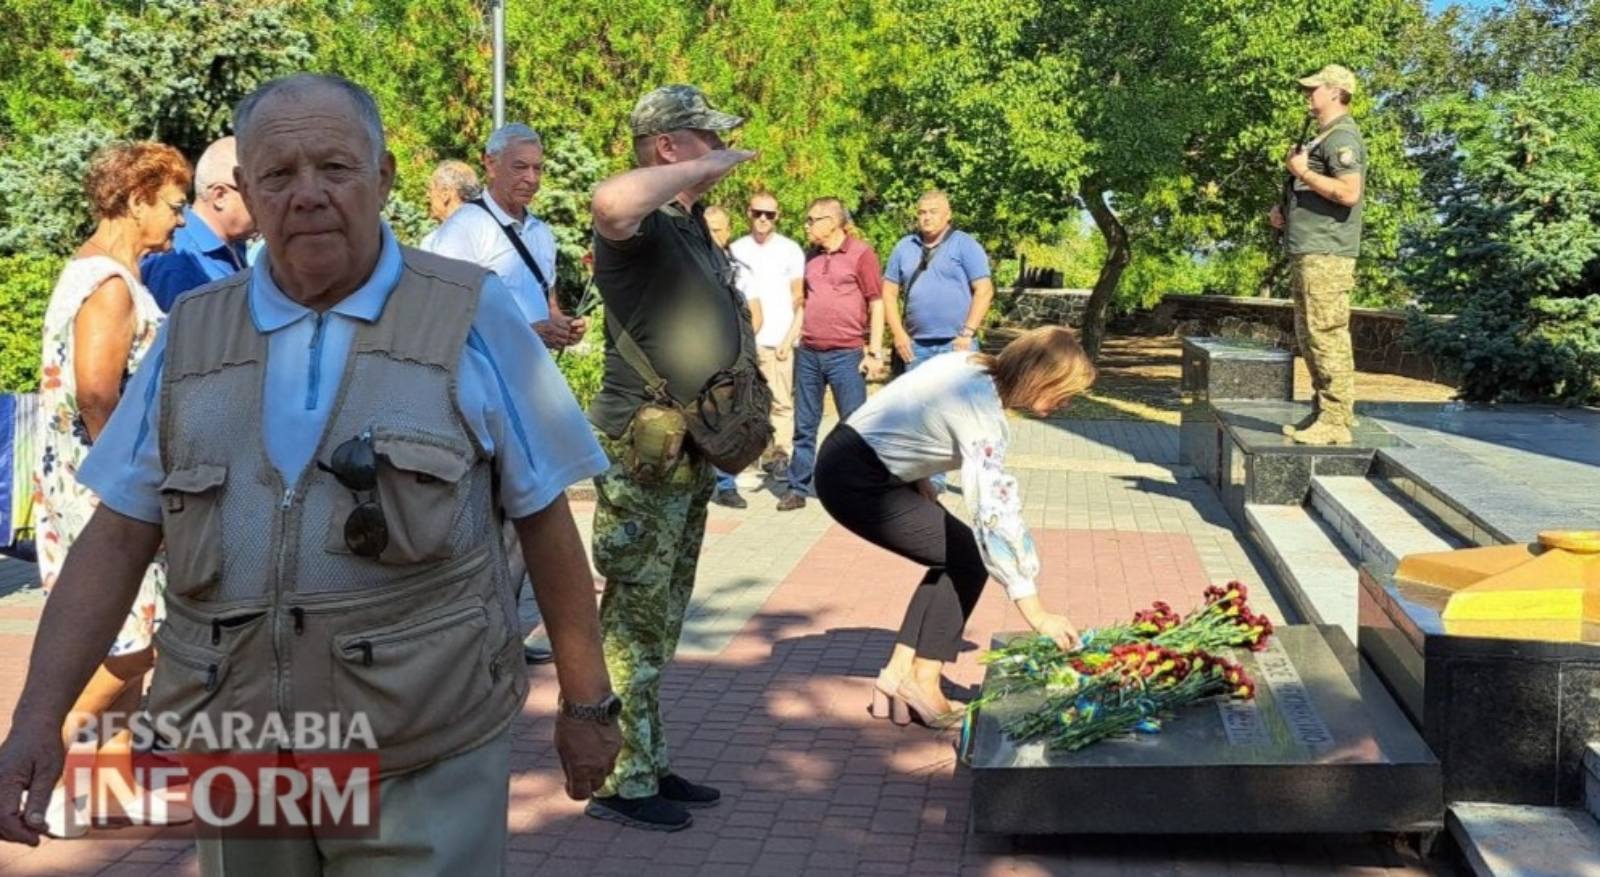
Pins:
x: 1317, y: 225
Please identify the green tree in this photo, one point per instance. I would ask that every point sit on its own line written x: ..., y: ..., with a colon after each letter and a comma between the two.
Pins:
x: 1166, y: 120
x: 1516, y: 252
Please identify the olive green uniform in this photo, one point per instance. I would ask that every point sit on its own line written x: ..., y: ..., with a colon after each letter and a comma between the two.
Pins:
x: 668, y: 286
x: 1323, y: 240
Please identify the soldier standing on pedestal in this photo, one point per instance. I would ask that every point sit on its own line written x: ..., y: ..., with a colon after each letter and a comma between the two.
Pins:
x: 1322, y: 231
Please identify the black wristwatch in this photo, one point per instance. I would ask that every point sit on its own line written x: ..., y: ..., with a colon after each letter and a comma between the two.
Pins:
x: 603, y: 713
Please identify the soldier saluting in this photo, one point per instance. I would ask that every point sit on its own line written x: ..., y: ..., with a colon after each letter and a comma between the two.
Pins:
x: 1321, y: 224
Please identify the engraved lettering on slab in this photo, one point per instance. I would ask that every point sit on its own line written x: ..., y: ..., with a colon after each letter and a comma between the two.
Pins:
x: 1241, y: 722
x: 1291, y: 697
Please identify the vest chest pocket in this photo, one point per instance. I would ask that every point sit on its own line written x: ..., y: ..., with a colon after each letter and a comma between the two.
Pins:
x: 191, y: 521
x: 413, y: 678
x: 420, y: 492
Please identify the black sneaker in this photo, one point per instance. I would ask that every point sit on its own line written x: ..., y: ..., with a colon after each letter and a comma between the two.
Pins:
x: 731, y: 499
x: 654, y: 813
x: 790, y: 502
x: 686, y: 794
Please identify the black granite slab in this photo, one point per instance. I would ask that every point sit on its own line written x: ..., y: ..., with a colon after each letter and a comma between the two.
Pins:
x: 1323, y: 748
x: 1255, y: 463
x: 1227, y: 368
x: 1508, y: 707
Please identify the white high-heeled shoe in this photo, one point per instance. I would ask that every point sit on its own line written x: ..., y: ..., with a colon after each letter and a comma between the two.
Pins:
x: 155, y: 808
x: 64, y: 818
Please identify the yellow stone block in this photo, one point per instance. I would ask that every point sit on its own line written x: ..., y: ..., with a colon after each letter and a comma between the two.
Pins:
x: 1553, y: 586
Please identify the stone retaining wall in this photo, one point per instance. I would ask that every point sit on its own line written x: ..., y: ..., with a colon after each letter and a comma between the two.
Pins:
x: 1378, y: 336
x: 1027, y: 307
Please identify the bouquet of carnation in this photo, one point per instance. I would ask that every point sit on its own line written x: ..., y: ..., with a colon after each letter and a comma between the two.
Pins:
x: 1126, y: 677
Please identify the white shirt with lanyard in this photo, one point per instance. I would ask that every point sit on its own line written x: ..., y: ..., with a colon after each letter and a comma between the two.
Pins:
x: 481, y: 233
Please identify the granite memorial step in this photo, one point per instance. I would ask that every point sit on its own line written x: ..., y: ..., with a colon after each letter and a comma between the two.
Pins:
x: 1376, y: 522
x: 1315, y: 569
x: 1511, y: 840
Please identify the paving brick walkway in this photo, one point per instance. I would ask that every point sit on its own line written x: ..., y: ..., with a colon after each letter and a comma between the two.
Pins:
x: 793, y: 617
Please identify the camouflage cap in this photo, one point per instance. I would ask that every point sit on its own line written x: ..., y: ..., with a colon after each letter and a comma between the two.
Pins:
x: 1334, y: 75
x: 676, y: 107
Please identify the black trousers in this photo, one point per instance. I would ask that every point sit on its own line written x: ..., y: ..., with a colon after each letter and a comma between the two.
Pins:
x: 860, y: 494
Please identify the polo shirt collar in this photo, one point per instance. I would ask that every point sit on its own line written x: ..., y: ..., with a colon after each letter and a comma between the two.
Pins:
x: 200, y: 235
x: 1333, y: 124
x: 272, y: 309
x: 504, y: 218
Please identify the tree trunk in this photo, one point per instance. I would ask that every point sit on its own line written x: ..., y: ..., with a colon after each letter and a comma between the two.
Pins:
x: 1118, y: 255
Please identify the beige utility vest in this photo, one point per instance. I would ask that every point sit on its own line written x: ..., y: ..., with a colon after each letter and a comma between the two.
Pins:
x: 268, y: 611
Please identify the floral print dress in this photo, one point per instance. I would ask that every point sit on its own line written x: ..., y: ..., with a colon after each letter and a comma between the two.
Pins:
x: 61, y: 506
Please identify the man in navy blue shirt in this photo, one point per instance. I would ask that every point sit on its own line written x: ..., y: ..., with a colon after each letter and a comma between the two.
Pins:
x: 210, y: 244
x: 941, y: 277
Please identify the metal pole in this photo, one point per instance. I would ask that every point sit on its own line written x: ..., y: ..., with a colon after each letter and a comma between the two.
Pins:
x: 498, y: 9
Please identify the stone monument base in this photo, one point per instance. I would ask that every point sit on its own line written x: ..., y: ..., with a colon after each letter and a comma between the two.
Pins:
x: 1322, y: 749
x: 1509, y: 707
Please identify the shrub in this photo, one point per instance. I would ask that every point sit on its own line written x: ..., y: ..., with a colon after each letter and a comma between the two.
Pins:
x: 25, y: 285
x: 584, y: 365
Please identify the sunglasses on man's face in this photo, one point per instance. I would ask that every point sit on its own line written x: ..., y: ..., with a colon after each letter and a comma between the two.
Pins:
x: 763, y: 214
x: 813, y: 220
x: 355, y: 467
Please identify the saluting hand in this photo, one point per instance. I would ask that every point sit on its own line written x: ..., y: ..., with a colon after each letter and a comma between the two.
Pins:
x: 720, y: 162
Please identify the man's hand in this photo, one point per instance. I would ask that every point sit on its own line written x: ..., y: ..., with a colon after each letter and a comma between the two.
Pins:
x: 962, y: 342
x: 902, y: 346
x: 925, y: 487
x: 719, y: 163
x: 560, y: 331
x: 781, y: 352
x: 587, y: 750
x: 1297, y: 163
x: 1275, y: 217
x: 30, y: 761
x: 872, y: 365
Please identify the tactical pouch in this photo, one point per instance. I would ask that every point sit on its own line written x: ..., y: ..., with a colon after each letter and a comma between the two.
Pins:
x: 654, y: 443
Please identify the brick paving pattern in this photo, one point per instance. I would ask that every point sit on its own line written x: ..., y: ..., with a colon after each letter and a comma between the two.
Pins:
x: 793, y: 616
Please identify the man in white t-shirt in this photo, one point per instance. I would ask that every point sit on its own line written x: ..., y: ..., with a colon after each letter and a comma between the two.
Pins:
x: 772, y: 277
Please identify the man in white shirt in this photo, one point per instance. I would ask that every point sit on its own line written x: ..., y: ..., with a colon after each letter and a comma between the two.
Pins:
x: 772, y: 278
x: 452, y: 184
x: 497, y: 232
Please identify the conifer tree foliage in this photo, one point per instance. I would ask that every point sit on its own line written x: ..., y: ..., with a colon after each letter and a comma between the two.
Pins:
x: 1515, y: 255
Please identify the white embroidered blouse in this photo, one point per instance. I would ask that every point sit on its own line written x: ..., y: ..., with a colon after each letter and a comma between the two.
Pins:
x: 944, y: 415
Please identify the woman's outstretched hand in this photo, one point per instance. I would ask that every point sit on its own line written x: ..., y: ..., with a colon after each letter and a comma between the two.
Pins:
x: 1058, y: 628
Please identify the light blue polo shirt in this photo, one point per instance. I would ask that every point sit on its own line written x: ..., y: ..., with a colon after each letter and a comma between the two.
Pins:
x: 937, y: 307
x: 515, y: 399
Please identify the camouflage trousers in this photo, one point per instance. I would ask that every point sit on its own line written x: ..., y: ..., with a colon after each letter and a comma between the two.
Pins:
x: 647, y: 544
x: 1322, y: 286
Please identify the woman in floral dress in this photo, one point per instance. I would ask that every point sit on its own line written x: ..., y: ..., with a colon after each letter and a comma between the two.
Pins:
x: 99, y: 323
x: 872, y: 477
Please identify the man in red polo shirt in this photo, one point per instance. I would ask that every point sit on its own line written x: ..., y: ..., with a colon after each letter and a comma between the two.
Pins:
x: 842, y: 315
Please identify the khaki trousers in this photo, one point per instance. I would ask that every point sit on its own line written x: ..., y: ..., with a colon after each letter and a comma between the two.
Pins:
x: 780, y: 377
x: 1322, y: 286
x: 446, y: 819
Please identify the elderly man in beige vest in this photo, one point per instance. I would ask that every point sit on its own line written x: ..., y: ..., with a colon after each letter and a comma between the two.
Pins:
x: 327, y: 444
